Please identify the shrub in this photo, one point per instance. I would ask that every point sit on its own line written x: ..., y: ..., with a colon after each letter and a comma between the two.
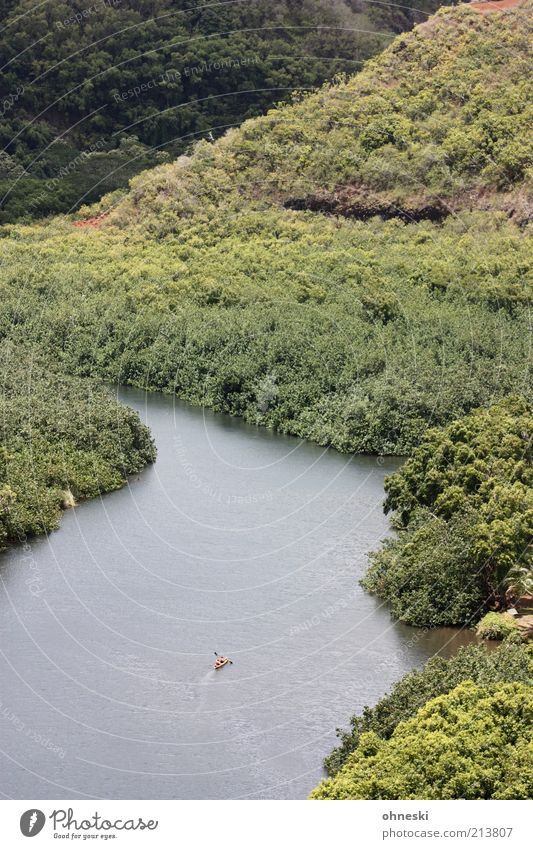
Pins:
x: 472, y: 743
x: 439, y: 675
x: 497, y: 626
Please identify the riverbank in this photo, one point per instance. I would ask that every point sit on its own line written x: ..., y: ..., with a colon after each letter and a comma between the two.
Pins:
x: 63, y: 440
x: 238, y: 539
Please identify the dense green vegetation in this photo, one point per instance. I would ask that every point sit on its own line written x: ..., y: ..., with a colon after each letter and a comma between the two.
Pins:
x: 472, y: 743
x: 92, y: 94
x: 61, y: 439
x: 215, y: 278
x: 498, y: 626
x: 463, y: 503
x: 354, y: 334
x: 510, y: 663
x: 355, y: 324
x: 438, y: 122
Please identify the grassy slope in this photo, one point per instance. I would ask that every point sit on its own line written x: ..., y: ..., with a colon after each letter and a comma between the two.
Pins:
x: 350, y: 333
x: 440, y: 119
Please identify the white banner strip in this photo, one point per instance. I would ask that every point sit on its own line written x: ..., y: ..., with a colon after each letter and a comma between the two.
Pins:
x: 266, y: 824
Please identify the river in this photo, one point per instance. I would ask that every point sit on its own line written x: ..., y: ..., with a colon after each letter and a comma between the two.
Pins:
x: 237, y: 540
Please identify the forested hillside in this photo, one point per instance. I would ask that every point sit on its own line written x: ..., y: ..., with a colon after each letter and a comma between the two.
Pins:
x: 91, y: 94
x: 353, y: 267
x: 437, y: 124
x: 217, y: 278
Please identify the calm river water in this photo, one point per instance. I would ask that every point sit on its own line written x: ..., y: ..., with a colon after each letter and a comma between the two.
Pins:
x: 237, y: 540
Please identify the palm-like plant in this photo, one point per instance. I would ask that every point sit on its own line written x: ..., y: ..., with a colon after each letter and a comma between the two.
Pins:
x: 519, y: 581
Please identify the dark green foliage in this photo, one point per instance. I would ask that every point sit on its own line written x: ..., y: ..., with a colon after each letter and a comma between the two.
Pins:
x: 74, y: 178
x: 79, y: 79
x: 428, y: 574
x: 509, y: 663
x: 61, y: 439
x: 354, y: 334
x: 464, y: 506
x: 357, y: 335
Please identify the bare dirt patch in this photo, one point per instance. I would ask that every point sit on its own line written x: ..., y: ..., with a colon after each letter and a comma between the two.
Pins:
x: 495, y: 5
x: 91, y: 222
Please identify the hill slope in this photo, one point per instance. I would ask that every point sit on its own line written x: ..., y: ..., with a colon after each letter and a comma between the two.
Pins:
x: 80, y: 85
x: 356, y: 334
x: 438, y: 123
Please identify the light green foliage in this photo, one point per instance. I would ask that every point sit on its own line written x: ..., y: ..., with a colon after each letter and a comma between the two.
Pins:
x: 356, y: 323
x: 440, y: 675
x: 498, y: 626
x: 467, y: 463
x: 472, y: 743
x: 464, y: 506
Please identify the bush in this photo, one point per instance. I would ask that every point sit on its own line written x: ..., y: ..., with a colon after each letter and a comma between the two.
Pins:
x: 328, y: 309
x: 472, y: 743
x: 439, y: 675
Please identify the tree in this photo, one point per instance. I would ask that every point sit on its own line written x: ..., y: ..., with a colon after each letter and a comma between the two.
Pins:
x: 472, y: 743
x: 463, y: 503
x: 439, y: 675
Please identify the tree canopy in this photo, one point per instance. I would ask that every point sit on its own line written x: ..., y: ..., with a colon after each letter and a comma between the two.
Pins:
x: 464, y: 506
x: 508, y: 663
x: 472, y: 743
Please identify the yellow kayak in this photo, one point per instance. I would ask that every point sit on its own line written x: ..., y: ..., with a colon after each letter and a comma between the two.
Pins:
x: 221, y: 661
